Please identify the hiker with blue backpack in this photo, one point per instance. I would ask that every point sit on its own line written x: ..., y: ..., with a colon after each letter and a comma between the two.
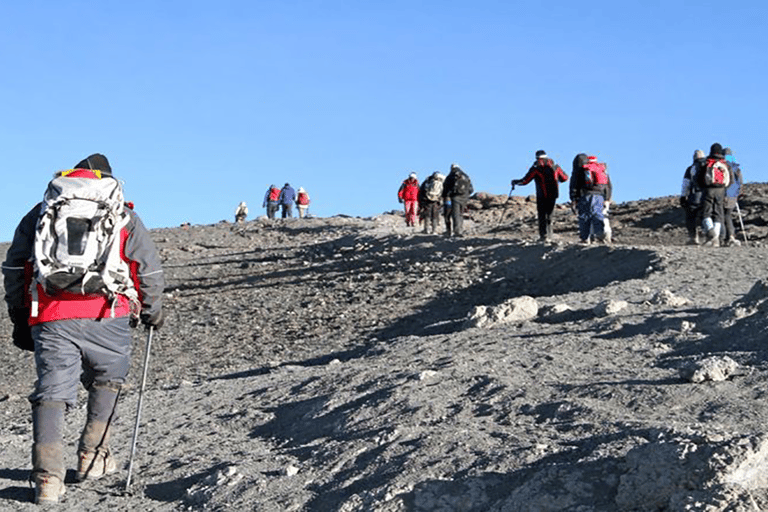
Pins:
x: 590, y: 191
x: 731, y: 201
x: 80, y: 272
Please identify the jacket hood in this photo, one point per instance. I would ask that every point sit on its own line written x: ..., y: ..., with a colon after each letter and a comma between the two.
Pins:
x: 96, y: 161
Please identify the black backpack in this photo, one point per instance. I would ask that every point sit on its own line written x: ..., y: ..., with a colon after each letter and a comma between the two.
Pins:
x: 462, y: 185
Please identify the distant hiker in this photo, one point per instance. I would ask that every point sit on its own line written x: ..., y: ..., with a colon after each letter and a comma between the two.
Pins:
x: 270, y: 201
x: 286, y: 199
x: 76, y: 319
x: 731, y: 200
x: 302, y: 202
x: 431, y: 201
x: 548, y: 176
x: 690, y: 197
x: 408, y: 193
x: 590, y: 192
x: 713, y: 178
x: 456, y: 191
x: 241, y: 212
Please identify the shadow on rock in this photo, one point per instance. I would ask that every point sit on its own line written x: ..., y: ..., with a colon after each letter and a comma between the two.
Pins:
x: 514, y: 271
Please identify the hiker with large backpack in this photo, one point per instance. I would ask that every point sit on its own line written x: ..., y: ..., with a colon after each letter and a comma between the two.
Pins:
x: 81, y: 270
x: 690, y: 197
x: 241, y: 212
x: 456, y: 191
x: 548, y: 176
x: 431, y: 201
x: 590, y: 192
x: 713, y: 178
x: 270, y: 201
x: 408, y: 195
x: 302, y: 202
x: 731, y: 201
x: 286, y: 199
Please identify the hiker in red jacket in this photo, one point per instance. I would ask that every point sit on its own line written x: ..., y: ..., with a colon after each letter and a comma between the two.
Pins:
x: 548, y: 176
x: 409, y: 194
x: 79, y: 334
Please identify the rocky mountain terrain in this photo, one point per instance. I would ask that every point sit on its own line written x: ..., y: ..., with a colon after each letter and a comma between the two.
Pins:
x: 353, y: 364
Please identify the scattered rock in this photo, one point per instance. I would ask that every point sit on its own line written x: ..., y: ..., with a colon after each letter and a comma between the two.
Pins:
x: 610, y: 307
x: 519, y: 309
x: 667, y: 298
x: 715, y: 368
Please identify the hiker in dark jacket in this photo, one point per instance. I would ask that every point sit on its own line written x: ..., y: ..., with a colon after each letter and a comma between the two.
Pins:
x: 286, y: 199
x: 78, y: 338
x: 431, y: 201
x: 690, y: 197
x: 591, y: 197
x: 456, y: 191
x: 730, y: 202
x: 713, y: 184
x: 548, y: 176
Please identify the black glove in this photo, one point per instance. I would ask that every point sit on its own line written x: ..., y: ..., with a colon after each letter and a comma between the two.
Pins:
x: 155, y: 320
x: 683, y: 201
x: 22, y: 334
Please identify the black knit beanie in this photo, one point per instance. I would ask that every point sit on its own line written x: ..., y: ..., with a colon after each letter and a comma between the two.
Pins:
x: 541, y: 154
x: 96, y: 161
x: 716, y: 150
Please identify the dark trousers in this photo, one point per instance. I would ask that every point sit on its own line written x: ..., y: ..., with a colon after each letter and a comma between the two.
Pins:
x: 729, y: 211
x: 431, y: 216
x: 712, y: 204
x: 454, y: 218
x: 692, y: 219
x: 544, y: 207
x: 287, y: 211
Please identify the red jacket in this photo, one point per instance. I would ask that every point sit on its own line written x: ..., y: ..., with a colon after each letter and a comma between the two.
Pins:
x: 409, y: 190
x: 547, y: 175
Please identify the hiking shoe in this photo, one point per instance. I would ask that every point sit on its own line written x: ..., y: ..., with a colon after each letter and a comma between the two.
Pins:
x: 712, y: 242
x: 732, y: 242
x: 694, y: 240
x: 94, y: 464
x: 48, y: 488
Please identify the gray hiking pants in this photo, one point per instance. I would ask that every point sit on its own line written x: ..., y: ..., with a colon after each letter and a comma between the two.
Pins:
x: 96, y: 352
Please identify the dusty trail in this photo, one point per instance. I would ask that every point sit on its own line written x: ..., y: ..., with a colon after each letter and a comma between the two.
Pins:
x: 327, y: 364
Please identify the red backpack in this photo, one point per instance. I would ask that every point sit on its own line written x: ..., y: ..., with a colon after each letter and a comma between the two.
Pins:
x: 595, y: 173
x: 716, y: 173
x: 303, y: 199
x: 274, y: 194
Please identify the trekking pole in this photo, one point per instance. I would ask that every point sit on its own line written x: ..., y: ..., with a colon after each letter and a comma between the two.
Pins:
x: 138, y: 407
x: 741, y: 223
x: 506, y: 205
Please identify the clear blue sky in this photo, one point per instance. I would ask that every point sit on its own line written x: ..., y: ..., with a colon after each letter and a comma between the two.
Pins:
x: 201, y: 105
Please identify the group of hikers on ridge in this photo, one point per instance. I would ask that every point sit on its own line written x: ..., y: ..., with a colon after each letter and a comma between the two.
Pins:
x: 277, y: 198
x: 710, y: 192
x: 439, y: 195
x: 590, y: 194
x: 710, y: 195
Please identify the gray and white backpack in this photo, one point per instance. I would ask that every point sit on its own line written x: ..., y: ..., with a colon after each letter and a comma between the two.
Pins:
x: 77, y: 240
